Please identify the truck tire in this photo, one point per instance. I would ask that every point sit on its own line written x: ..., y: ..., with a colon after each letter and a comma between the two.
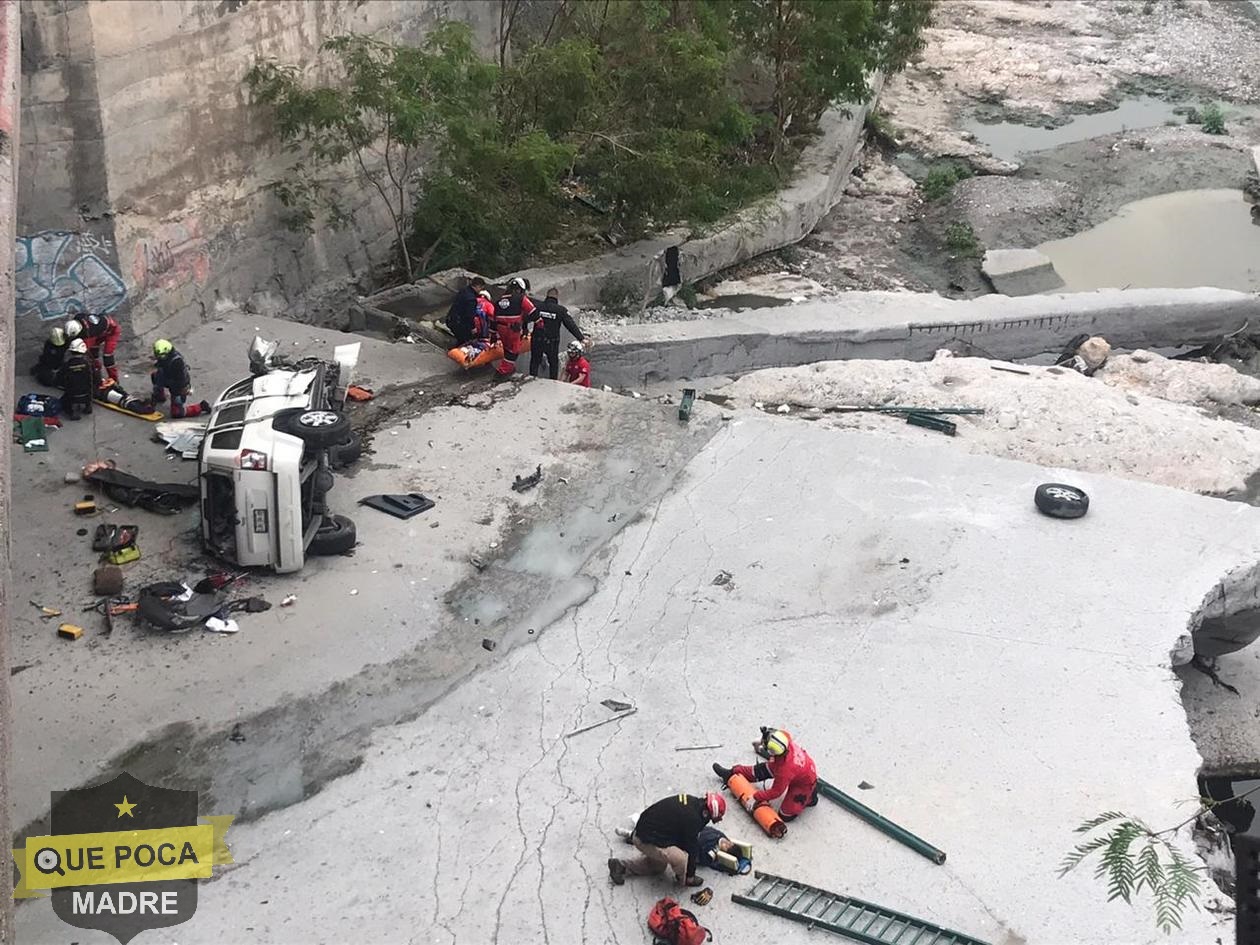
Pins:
x: 317, y: 427
x: 343, y: 454
x: 336, y: 536
x: 1060, y: 501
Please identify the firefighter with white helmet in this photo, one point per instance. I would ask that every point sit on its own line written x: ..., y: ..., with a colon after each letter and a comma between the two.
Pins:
x: 78, y: 380
x: 101, y: 334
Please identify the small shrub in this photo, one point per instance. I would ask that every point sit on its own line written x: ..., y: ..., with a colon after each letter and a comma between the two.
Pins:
x: 620, y: 296
x: 1213, y: 119
x: 687, y: 295
x: 941, y: 179
x: 880, y: 130
x: 961, y: 239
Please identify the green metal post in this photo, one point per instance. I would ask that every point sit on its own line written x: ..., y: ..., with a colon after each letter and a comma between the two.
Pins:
x: 880, y: 822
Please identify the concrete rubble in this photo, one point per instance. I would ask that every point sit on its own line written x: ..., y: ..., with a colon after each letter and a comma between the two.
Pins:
x: 1020, y: 271
x: 1119, y: 422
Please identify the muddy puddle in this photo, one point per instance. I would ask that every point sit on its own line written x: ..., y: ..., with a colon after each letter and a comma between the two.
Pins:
x: 742, y: 301
x: 1008, y: 140
x: 1180, y: 240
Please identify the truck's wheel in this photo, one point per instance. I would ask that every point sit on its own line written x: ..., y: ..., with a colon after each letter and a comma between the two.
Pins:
x: 1060, y: 501
x: 319, y: 428
x: 343, y: 454
x: 335, y: 536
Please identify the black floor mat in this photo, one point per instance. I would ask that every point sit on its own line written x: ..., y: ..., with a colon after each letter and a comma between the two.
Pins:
x: 399, y: 504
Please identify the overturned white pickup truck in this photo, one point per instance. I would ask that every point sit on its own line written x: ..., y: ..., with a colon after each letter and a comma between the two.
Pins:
x: 266, y: 463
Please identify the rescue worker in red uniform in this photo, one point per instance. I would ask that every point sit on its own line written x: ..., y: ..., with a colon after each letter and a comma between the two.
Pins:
x: 577, y: 370
x: 788, y: 767
x: 510, y: 316
x: 101, y: 334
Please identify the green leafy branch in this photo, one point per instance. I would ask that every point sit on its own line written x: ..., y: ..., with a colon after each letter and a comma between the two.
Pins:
x: 1132, y: 858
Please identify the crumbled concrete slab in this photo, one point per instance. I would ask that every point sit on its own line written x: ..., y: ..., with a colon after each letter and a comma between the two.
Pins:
x: 1020, y: 271
x: 912, y: 325
x: 964, y: 702
x: 1049, y: 416
x: 1183, y: 382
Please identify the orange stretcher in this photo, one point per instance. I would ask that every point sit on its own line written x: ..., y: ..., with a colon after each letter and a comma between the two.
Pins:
x: 475, y: 354
x: 766, y: 816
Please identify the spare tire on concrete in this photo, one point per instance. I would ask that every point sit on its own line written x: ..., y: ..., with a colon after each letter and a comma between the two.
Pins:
x: 1061, y: 501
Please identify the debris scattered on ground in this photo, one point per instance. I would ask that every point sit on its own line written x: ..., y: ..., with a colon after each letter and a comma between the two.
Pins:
x: 615, y: 718
x: 865, y: 786
x: 85, y: 506
x: 69, y: 631
x: 477, y: 562
x: 400, y: 505
x: 107, y: 580
x: 71, y: 478
x: 289, y: 600
x: 783, y: 408
x: 696, y: 747
x: 97, y: 465
x: 236, y: 734
x: 164, y: 498
x: 217, y: 580
x: 520, y: 484
x: 723, y: 579
x: 46, y: 612
x: 114, y: 537
x: 488, y: 644
x: 1088, y: 356
x: 931, y: 422
x: 354, y: 592
x: 1009, y: 370
x: 613, y: 705
x: 221, y: 625
x: 359, y: 394
x: 688, y: 400
x: 30, y: 432
x: 702, y: 897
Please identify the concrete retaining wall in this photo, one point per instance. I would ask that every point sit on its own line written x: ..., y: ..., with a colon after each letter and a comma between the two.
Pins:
x: 780, y: 220
x: 144, y: 165
x: 883, y: 325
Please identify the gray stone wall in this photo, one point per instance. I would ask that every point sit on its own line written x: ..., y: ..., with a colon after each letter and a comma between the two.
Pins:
x: 144, y: 166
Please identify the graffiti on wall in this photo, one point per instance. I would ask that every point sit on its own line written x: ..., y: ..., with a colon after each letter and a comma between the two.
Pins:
x: 59, y: 273
x: 176, y: 253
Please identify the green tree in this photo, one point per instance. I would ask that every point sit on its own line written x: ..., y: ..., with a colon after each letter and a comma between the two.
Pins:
x: 392, y: 104
x: 819, y: 51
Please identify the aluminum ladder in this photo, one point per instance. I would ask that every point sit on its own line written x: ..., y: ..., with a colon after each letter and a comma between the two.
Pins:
x: 844, y: 915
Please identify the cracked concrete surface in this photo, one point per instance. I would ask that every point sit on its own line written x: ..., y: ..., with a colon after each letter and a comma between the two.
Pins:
x: 1007, y: 681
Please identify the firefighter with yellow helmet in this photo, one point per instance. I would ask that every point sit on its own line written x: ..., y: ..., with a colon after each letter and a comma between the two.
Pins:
x: 787, y: 766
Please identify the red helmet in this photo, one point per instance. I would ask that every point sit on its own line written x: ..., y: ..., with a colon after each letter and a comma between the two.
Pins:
x: 715, y: 803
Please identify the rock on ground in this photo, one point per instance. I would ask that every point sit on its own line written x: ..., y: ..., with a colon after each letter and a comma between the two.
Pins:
x: 1051, y: 416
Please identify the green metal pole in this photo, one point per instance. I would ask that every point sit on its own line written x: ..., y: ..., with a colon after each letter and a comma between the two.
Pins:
x: 880, y: 822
